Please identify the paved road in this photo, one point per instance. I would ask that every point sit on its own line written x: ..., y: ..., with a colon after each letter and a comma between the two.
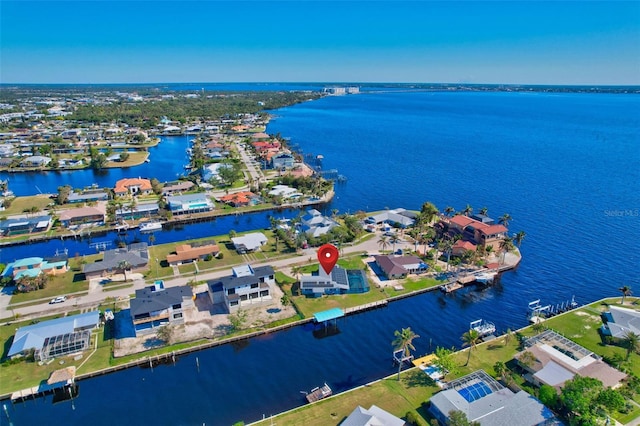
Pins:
x: 96, y: 294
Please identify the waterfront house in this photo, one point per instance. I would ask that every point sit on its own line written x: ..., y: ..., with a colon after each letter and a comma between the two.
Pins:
x: 25, y: 225
x: 212, y: 171
x: 190, y: 203
x: 339, y: 281
x: 136, y: 211
x: 54, y: 338
x: 35, y: 161
x: 282, y: 160
x: 460, y: 247
x: 557, y: 359
x: 136, y: 256
x: 483, y: 399
x: 284, y: 191
x: 396, y: 267
x: 133, y: 186
x: 246, y: 286
x: 34, y: 266
x: 314, y: 224
x: 400, y: 218
x: 87, y: 197
x: 620, y: 321
x: 177, y: 187
x: 83, y: 215
x: 374, y: 416
x: 156, y: 305
x: 241, y: 199
x: 249, y: 242
x: 187, y: 253
x: 477, y: 232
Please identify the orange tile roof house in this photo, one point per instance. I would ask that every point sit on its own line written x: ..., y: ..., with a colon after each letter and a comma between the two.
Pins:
x: 478, y: 232
x: 240, y: 199
x: 186, y: 253
x: 133, y: 186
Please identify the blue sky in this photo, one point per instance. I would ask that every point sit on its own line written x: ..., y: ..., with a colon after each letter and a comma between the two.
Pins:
x: 306, y: 41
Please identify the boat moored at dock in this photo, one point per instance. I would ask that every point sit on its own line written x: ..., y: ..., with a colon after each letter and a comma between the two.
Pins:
x: 316, y: 394
x: 150, y: 226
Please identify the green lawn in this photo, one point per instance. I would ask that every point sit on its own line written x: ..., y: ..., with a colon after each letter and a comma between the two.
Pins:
x: 70, y: 282
x: 19, y: 204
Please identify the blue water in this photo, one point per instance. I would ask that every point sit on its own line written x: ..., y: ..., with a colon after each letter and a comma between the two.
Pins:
x: 167, y: 161
x: 565, y: 166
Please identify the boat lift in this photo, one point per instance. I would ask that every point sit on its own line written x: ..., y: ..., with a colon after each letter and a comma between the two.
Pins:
x: 484, y: 328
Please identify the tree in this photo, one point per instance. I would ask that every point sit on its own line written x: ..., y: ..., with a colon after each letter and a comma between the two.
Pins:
x: 449, y: 211
x: 484, y: 211
x: 470, y: 338
x: 506, y: 245
x: 165, y: 333
x: 428, y: 213
x: 626, y: 291
x: 383, y: 242
x: 238, y: 319
x: 285, y: 300
x: 445, y: 362
x: 527, y: 358
x: 63, y: 194
x: 404, y: 342
x: 500, y: 368
x: 631, y: 342
x: 394, y: 240
x: 123, y: 265
x: 459, y: 418
x: 507, y: 336
x: 519, y: 237
x: 467, y: 210
x: 505, y: 219
x: 124, y: 156
x: 548, y: 396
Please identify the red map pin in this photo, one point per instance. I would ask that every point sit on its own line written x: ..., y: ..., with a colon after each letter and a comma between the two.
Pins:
x: 328, y: 256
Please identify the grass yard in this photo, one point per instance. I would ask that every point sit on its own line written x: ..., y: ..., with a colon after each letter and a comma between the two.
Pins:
x: 20, y: 204
x: 71, y: 282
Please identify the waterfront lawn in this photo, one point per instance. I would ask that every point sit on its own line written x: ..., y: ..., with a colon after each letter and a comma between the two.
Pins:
x: 20, y: 204
x: 396, y: 397
x: 135, y: 159
x: 309, y: 306
x: 68, y: 283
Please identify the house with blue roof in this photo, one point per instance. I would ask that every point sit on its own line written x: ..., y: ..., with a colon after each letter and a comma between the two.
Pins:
x: 34, y: 266
x: 54, y: 338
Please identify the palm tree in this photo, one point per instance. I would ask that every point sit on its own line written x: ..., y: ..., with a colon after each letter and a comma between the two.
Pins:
x: 470, y: 338
x: 449, y: 210
x: 467, y: 210
x: 393, y: 240
x: 506, y: 245
x: 404, y: 342
x: 631, y: 341
x: 445, y: 247
x: 507, y: 336
x: 483, y: 211
x: 626, y: 291
x: 518, y: 237
x: 383, y: 242
x: 123, y: 265
x: 505, y: 219
x: 428, y: 213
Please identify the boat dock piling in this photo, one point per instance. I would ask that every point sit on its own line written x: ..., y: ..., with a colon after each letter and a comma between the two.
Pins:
x: 319, y: 393
x: 537, y: 312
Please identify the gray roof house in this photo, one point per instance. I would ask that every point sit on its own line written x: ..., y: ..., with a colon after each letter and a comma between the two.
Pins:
x: 374, y: 416
x: 486, y: 401
x: 404, y: 218
x: 246, y: 286
x: 35, y: 161
x: 249, y: 242
x: 55, y: 337
x: 137, y: 255
x: 619, y: 321
x: 315, y: 224
x: 156, y: 305
x: 317, y: 285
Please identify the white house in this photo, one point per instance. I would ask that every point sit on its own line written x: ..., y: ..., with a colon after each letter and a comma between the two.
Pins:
x: 249, y: 242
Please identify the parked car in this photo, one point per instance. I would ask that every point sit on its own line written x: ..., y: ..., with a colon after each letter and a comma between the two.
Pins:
x: 58, y: 299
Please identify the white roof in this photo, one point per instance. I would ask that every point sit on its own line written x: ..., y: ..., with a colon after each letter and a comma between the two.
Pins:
x: 553, y: 374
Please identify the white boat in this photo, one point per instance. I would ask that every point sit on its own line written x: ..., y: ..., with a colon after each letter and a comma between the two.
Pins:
x: 150, y: 226
x: 485, y: 277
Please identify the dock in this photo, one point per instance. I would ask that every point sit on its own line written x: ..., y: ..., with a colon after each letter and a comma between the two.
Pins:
x: 58, y: 380
x: 484, y: 328
x: 319, y: 393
